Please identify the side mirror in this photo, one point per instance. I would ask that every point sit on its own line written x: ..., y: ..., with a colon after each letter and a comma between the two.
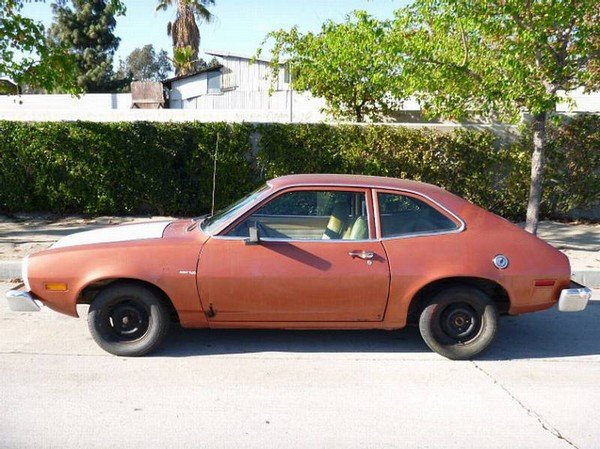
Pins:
x: 253, y: 236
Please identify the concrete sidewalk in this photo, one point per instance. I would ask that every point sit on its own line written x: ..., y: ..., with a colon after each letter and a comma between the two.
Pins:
x: 28, y: 234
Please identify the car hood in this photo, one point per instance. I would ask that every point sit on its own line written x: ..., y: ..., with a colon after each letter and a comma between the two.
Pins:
x: 119, y: 233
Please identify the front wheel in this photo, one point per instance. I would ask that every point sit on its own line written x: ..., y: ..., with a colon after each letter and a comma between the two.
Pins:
x: 459, y: 323
x: 128, y: 320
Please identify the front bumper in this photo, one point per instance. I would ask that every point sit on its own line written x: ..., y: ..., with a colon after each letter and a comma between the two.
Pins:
x: 574, y: 298
x: 21, y: 300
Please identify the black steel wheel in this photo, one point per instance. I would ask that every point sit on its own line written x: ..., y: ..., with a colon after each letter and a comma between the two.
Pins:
x: 459, y: 322
x: 128, y: 319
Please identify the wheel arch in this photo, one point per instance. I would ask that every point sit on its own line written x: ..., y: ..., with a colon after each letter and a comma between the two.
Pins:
x: 89, y: 292
x: 490, y: 287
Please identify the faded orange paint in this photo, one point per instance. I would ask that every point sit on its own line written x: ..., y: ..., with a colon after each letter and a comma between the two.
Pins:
x: 311, y: 284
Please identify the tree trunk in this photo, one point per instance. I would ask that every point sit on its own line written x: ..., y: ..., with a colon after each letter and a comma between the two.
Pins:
x: 358, y: 114
x: 537, y: 172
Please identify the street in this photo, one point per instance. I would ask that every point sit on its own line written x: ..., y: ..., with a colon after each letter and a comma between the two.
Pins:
x: 537, y: 387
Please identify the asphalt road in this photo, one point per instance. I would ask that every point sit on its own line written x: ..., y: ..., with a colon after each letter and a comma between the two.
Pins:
x: 537, y: 387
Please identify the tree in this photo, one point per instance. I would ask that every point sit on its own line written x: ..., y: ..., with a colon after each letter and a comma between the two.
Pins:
x: 499, y: 58
x: 184, y: 31
x: 145, y: 64
x: 87, y: 28
x: 27, y: 58
x: 348, y: 64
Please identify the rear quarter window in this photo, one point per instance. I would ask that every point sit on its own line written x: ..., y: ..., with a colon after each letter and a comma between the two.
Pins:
x: 403, y: 215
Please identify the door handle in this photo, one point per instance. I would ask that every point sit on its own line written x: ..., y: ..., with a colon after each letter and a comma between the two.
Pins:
x: 362, y: 254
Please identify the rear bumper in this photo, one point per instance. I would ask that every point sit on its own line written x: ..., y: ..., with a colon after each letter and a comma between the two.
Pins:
x: 22, y: 301
x: 574, y: 298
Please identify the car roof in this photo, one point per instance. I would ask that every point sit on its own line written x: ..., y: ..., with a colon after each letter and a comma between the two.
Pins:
x: 447, y: 200
x: 352, y: 180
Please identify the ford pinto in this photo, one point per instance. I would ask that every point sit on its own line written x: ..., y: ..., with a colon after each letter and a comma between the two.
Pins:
x: 307, y: 252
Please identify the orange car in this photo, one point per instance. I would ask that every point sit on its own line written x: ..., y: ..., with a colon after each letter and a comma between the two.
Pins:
x: 307, y: 252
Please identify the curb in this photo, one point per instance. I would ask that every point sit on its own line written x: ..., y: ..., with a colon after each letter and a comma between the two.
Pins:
x: 589, y: 278
x: 11, y: 269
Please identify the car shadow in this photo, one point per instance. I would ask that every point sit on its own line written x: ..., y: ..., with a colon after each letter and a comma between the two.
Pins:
x: 548, y: 334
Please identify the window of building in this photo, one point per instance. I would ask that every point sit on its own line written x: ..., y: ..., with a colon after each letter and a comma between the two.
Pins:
x: 214, y: 82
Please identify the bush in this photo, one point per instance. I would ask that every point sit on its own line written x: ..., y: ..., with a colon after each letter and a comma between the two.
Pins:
x: 121, y: 168
x: 166, y: 168
x: 573, y: 173
x: 469, y: 163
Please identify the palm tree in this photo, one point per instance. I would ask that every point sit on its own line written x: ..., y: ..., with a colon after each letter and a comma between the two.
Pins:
x: 184, y: 29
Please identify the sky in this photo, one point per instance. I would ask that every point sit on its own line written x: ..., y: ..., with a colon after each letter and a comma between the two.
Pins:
x: 239, y: 26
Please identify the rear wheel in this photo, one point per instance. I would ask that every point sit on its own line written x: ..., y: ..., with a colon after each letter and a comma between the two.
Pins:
x: 459, y: 323
x: 128, y: 320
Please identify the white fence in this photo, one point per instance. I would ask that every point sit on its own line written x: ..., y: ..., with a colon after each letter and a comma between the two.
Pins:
x: 86, y: 102
x: 234, y: 106
x: 259, y: 107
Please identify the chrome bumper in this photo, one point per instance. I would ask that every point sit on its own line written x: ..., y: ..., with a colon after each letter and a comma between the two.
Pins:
x: 21, y: 301
x: 574, y: 298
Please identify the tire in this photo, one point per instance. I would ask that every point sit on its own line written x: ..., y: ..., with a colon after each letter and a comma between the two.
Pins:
x: 128, y: 320
x: 459, y: 322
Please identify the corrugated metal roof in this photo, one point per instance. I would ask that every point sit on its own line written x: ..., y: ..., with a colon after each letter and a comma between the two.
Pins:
x: 198, y: 72
x: 228, y: 54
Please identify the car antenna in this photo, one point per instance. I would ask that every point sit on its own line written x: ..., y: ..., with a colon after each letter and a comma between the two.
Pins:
x: 214, y: 183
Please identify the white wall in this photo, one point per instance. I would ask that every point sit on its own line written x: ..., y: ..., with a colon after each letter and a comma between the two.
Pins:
x: 91, y: 102
x: 244, y: 85
x: 580, y: 102
x: 243, y: 75
x: 184, y: 90
x: 231, y: 106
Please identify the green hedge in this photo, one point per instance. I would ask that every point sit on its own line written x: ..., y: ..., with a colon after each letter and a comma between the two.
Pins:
x: 166, y: 168
x: 120, y: 168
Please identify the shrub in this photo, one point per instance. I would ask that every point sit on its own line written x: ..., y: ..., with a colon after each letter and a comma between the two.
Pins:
x: 471, y: 164
x: 121, y: 168
x: 166, y: 168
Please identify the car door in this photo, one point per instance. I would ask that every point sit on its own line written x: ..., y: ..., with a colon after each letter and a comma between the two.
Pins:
x: 317, y: 261
x: 419, y: 236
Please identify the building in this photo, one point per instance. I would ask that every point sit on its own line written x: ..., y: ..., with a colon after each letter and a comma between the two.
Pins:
x: 239, y: 88
x: 8, y: 86
x: 242, y: 83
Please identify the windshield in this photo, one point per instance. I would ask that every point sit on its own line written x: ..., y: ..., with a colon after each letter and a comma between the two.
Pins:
x: 222, y: 216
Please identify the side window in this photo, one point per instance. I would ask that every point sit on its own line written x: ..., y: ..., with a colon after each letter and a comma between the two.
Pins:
x: 402, y: 214
x: 311, y: 215
x: 214, y: 82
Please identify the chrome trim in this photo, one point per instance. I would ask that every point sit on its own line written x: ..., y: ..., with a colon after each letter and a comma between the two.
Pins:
x: 21, y: 301
x: 25, y: 272
x: 461, y: 228
x: 574, y: 299
x: 374, y: 190
x: 501, y: 261
x: 273, y: 239
x: 376, y: 213
x: 362, y: 254
x: 426, y: 234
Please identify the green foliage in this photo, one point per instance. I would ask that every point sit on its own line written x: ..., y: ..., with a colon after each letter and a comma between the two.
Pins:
x: 490, y: 57
x: 349, y: 64
x: 121, y: 168
x: 146, y: 64
x: 166, y: 168
x: 497, y: 58
x: 573, y: 167
x: 87, y: 29
x: 27, y: 58
x: 468, y: 163
x: 185, y: 33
